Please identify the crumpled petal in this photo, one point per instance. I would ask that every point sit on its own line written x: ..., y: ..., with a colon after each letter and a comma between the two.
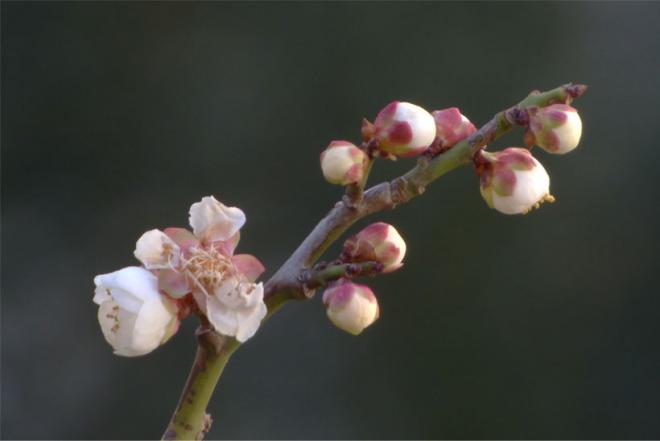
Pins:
x: 182, y: 237
x: 211, y: 220
x: 237, y: 312
x: 156, y: 250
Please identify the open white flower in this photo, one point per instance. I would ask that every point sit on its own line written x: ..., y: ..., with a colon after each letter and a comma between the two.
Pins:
x: 204, y: 263
x: 135, y: 318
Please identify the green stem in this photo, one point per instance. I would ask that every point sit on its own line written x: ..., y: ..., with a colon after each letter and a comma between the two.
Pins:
x: 321, y: 277
x: 190, y: 420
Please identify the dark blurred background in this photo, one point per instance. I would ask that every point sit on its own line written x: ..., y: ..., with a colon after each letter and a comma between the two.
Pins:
x: 117, y: 116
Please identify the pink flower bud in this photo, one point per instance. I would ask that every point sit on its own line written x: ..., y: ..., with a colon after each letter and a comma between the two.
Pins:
x: 451, y: 127
x: 350, y: 306
x: 379, y: 242
x: 513, y: 181
x: 342, y: 163
x: 556, y: 128
x: 404, y: 129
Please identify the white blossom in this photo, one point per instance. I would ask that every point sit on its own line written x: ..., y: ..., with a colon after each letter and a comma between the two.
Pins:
x: 134, y: 317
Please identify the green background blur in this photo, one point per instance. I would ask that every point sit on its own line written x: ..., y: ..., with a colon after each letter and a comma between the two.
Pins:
x: 117, y: 116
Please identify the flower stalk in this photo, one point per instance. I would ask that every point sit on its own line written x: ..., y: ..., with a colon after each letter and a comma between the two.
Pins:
x: 190, y: 420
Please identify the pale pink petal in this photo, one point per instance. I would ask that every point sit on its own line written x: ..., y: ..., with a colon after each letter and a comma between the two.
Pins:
x: 156, y: 250
x: 227, y: 247
x: 212, y: 221
x: 182, y: 237
x: 173, y: 283
x: 248, y: 265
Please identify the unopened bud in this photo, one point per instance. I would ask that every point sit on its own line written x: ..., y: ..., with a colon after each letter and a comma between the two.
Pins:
x: 379, y: 242
x: 350, y: 306
x: 451, y: 127
x: 513, y: 181
x: 342, y: 163
x: 556, y: 128
x: 404, y: 129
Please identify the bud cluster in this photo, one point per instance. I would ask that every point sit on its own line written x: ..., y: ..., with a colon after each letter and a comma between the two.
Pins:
x: 401, y: 129
x: 353, y: 307
x: 512, y: 180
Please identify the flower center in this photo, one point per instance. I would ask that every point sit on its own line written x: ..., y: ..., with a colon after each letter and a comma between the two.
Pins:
x: 208, y: 268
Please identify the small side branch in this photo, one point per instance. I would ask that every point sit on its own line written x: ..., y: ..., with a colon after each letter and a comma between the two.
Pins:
x: 320, y: 277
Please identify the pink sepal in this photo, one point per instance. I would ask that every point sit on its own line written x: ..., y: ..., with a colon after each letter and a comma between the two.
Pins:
x: 182, y: 237
x: 173, y: 283
x: 248, y: 265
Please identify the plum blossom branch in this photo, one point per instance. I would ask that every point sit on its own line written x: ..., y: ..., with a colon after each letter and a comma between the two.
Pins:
x: 285, y: 284
x: 297, y: 278
x: 197, y: 272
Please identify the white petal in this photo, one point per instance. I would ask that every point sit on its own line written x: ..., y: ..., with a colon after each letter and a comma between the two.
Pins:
x: 201, y: 300
x: 223, y: 319
x: 156, y: 250
x: 101, y: 295
x: 531, y: 186
x: 135, y: 280
x: 422, y: 124
x: 152, y: 323
x: 238, y: 313
x: 117, y: 325
x: 212, y: 220
x: 569, y: 133
x: 249, y: 323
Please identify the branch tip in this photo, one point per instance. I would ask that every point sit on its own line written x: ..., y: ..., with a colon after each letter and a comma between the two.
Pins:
x: 576, y: 90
